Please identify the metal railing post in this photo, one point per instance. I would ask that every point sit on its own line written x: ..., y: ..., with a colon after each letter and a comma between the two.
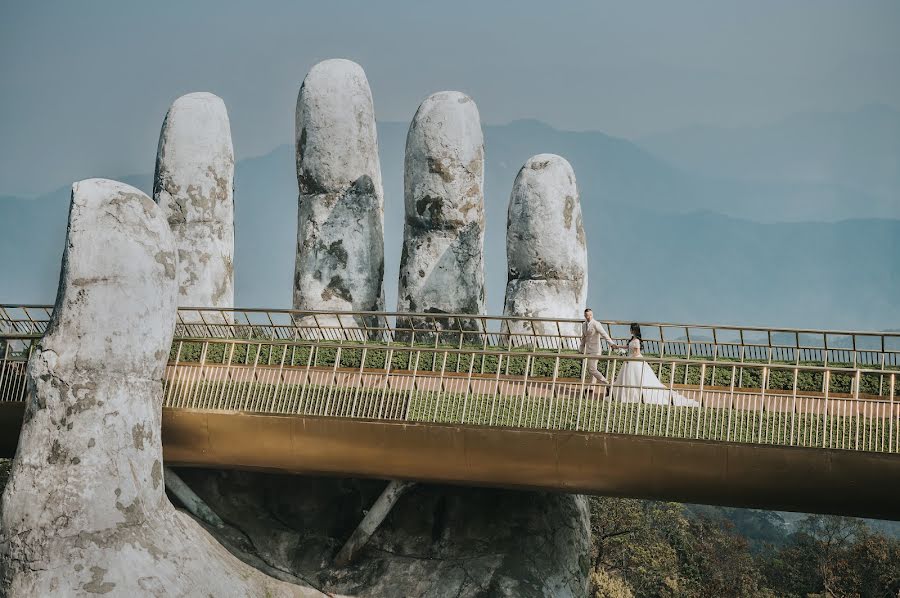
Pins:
x: 362, y: 367
x: 320, y: 333
x: 524, y: 388
x: 731, y: 402
x: 552, y: 391
x: 337, y: 362
x: 855, y: 382
x: 174, y: 374
x: 762, y: 405
x: 827, y: 383
x: 497, y: 393
x: 228, y: 376
x: 671, y: 401
x: 892, y: 418
x: 343, y: 330
x: 307, y: 381
x: 412, y: 386
x: 205, y: 323
x: 274, y: 396
x: 794, y: 403
x: 439, y: 399
x: 700, y: 408
x: 484, y: 341
x: 387, y: 382
x: 614, y: 401
x: 468, y: 388
x: 640, y: 400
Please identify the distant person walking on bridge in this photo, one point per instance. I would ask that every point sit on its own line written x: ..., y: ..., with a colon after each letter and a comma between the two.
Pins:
x: 591, y: 333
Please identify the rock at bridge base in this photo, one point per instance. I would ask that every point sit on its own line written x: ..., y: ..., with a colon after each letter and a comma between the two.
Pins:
x: 84, y: 511
x: 438, y: 541
x: 340, y: 232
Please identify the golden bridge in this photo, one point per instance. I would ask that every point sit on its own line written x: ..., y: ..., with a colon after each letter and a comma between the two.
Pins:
x: 785, y: 419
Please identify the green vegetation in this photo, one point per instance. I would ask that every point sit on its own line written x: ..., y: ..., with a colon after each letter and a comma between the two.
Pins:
x: 427, y: 359
x: 653, y: 549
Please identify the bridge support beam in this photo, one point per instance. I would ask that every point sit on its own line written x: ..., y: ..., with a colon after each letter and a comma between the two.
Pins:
x: 380, y: 509
x: 189, y: 498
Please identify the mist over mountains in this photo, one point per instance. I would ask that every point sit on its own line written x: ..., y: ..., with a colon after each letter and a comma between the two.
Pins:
x: 824, y: 166
x: 676, y: 229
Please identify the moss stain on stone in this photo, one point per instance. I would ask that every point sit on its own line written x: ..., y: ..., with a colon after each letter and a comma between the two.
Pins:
x: 568, y: 209
x: 96, y: 585
x: 156, y: 474
x: 436, y: 166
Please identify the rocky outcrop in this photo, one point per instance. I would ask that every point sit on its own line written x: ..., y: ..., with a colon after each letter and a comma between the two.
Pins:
x: 194, y: 186
x: 340, y: 234
x: 442, y: 264
x: 545, y: 251
x: 438, y: 541
x: 84, y: 511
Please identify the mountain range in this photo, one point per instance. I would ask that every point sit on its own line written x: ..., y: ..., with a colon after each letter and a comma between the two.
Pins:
x: 825, y: 166
x: 676, y: 229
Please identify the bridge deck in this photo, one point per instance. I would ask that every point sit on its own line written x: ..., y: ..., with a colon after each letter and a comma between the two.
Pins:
x: 741, y: 414
x: 769, y: 435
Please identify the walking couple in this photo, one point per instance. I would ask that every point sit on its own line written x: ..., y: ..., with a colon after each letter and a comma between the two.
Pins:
x: 635, y: 381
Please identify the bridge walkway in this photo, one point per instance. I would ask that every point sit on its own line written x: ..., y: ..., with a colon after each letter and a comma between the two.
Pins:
x: 772, y: 435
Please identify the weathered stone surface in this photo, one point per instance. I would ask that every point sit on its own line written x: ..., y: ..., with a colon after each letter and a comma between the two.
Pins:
x: 442, y: 265
x: 85, y: 511
x: 545, y: 250
x: 194, y: 186
x: 340, y: 233
x: 437, y: 541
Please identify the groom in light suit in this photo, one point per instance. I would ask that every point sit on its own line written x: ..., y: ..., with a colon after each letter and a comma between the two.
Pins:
x: 591, y: 333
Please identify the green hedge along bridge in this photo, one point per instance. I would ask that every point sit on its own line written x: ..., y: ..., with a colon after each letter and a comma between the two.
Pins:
x: 786, y: 419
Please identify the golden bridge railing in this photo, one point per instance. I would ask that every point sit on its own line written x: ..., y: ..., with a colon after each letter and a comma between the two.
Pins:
x: 850, y: 349
x: 759, y: 403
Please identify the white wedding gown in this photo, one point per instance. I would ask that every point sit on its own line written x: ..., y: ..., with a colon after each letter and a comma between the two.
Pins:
x: 636, y: 380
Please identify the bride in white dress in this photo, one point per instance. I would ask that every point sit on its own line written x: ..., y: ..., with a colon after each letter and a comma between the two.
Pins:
x: 636, y: 380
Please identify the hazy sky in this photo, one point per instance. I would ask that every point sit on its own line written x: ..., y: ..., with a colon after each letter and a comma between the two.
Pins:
x: 85, y: 85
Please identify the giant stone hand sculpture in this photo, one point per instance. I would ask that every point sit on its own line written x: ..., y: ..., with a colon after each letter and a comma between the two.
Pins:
x: 85, y: 510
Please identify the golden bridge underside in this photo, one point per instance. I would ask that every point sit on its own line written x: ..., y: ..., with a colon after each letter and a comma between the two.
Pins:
x: 711, y: 472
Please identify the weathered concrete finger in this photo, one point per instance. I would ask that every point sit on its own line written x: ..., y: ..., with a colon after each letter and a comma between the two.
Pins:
x: 442, y: 265
x: 194, y: 186
x: 340, y: 229
x: 546, y: 252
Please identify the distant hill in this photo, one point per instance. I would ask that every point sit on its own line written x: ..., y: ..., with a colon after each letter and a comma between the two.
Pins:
x: 822, y: 166
x: 655, y: 254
